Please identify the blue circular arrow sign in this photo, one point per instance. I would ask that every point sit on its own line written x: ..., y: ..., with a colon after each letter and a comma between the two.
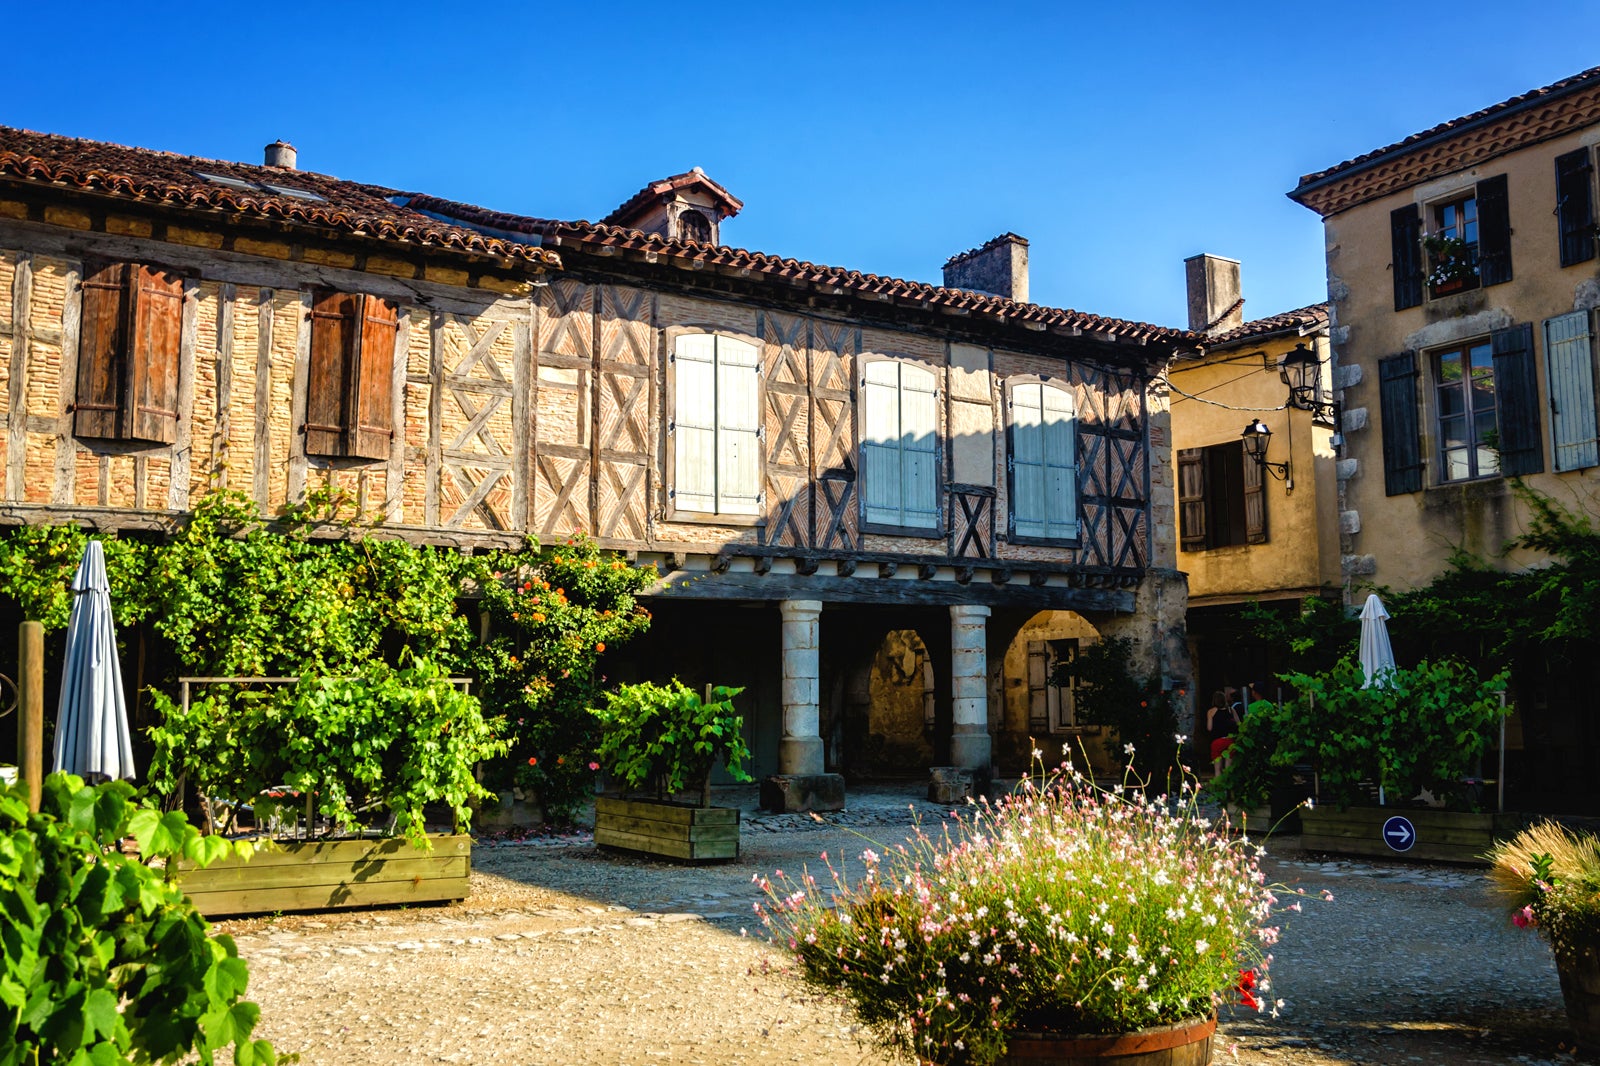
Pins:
x: 1399, y: 833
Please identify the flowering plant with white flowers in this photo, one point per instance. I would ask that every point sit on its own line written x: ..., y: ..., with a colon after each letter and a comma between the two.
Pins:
x: 1064, y: 907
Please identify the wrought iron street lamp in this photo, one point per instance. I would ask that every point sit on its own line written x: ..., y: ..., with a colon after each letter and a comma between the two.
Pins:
x: 1301, y: 370
x: 1256, y: 437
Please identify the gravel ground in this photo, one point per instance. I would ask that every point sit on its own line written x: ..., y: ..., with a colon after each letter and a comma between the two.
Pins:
x: 564, y: 954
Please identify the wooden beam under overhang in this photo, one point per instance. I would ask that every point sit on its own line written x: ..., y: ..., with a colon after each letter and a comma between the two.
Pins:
x: 735, y: 585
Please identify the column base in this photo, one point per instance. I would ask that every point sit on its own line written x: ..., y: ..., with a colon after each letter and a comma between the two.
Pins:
x: 949, y: 784
x: 972, y: 751
x: 803, y: 792
x: 800, y: 755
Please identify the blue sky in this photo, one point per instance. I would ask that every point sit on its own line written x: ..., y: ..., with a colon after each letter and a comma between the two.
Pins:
x: 1118, y: 138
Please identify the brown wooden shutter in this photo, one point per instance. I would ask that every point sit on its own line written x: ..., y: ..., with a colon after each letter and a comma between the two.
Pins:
x: 1575, y: 206
x: 1192, y: 499
x: 1494, y: 231
x: 1038, y: 687
x: 151, y: 403
x: 1255, y: 500
x: 1516, y: 392
x: 1405, y: 238
x: 335, y: 324
x: 369, y: 404
x: 97, y: 403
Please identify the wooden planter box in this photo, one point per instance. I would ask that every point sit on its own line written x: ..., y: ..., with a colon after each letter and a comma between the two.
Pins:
x: 1441, y: 836
x: 670, y: 830
x: 314, y: 875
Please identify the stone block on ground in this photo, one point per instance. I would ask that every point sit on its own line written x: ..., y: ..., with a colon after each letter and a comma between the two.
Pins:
x: 803, y: 792
x: 949, y: 784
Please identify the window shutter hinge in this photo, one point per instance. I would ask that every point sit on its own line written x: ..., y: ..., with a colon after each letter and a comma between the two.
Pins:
x: 672, y: 427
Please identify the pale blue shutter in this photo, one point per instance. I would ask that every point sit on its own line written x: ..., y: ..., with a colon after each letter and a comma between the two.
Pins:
x: 694, y: 424
x: 1060, y: 464
x: 880, y: 442
x: 738, y: 427
x: 1570, y: 372
x: 919, y: 447
x: 1027, y: 461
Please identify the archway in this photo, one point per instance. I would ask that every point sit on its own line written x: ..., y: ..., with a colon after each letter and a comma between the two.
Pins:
x: 1034, y: 713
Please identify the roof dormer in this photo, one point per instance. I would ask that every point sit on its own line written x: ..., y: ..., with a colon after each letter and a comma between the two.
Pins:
x: 684, y: 207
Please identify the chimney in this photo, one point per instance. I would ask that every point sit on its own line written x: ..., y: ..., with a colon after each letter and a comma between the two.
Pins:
x: 280, y: 154
x: 1215, y: 305
x: 998, y: 267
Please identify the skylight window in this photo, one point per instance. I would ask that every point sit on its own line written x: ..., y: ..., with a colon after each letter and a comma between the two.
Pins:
x: 259, y: 186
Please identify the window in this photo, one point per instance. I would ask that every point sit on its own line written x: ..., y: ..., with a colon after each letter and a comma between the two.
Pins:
x: 350, y: 387
x: 128, y: 345
x: 693, y: 226
x: 1051, y: 708
x: 1575, y: 207
x: 1486, y: 411
x: 1221, y: 498
x: 1468, y: 244
x: 1464, y: 386
x: 716, y: 428
x: 1042, y: 461
x: 899, y: 446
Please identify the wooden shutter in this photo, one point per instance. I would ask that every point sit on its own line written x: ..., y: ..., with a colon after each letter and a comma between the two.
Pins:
x: 1570, y: 371
x: 335, y: 320
x: 1255, y: 498
x: 1575, y: 208
x: 1192, y: 499
x: 1402, y: 441
x: 1405, y: 233
x: 880, y: 442
x: 694, y: 423
x: 738, y: 427
x: 1060, y: 463
x: 101, y: 348
x: 1028, y: 480
x: 151, y: 402
x: 369, y: 403
x: 919, y: 448
x: 1038, y: 687
x: 1516, y: 392
x: 1494, y: 231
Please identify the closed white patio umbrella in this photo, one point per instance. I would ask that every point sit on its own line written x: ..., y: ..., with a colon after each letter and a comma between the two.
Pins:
x: 1377, y: 656
x: 92, y: 736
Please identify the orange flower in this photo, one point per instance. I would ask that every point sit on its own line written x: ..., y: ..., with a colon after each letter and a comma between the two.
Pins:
x: 538, y: 616
x: 533, y: 760
x: 600, y: 646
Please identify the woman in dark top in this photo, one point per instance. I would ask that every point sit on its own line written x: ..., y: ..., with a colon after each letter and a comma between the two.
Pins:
x: 1222, y: 719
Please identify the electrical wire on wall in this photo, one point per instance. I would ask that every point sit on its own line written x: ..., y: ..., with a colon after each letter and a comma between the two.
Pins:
x: 1218, y: 403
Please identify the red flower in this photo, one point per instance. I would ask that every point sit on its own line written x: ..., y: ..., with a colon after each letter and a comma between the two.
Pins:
x: 533, y: 760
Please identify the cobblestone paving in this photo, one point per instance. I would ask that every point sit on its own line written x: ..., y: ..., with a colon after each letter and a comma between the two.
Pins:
x: 565, y: 954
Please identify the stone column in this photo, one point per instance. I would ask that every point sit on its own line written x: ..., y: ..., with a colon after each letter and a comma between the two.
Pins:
x: 800, y: 750
x: 969, y: 683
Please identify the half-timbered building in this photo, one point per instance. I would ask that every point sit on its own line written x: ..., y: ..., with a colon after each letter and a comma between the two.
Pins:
x: 885, y: 507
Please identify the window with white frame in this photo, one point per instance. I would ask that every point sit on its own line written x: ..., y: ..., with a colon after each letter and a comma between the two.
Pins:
x: 900, y: 445
x: 716, y: 425
x: 1042, y: 462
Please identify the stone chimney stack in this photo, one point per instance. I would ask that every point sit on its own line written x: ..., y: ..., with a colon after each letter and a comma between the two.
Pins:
x: 998, y: 267
x: 281, y: 154
x: 1215, y: 305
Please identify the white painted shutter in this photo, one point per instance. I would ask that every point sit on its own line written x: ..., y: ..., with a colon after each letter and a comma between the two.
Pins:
x: 919, y: 447
x: 1060, y: 463
x: 1044, y: 474
x: 738, y: 428
x: 880, y: 441
x: 1027, y: 461
x: 694, y: 424
x: 1570, y: 372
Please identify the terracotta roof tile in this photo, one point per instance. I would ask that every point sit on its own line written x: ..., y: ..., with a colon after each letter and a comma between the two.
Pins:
x: 1300, y: 320
x: 150, y: 176
x: 598, y: 237
x: 1533, y: 96
x: 728, y: 204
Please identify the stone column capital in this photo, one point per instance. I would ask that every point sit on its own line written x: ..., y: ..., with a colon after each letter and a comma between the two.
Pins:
x: 800, y: 610
x: 968, y: 611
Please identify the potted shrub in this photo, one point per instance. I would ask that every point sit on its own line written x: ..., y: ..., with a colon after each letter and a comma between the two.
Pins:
x: 344, y: 764
x: 1065, y: 923
x: 1452, y: 263
x: 1550, y: 878
x: 1424, y: 728
x: 665, y: 739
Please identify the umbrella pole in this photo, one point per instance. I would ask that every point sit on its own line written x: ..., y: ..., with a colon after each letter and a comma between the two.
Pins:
x: 30, y: 709
x: 1500, y: 775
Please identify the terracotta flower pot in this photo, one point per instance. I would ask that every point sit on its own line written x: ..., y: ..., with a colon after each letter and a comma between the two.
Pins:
x: 1181, y: 1044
